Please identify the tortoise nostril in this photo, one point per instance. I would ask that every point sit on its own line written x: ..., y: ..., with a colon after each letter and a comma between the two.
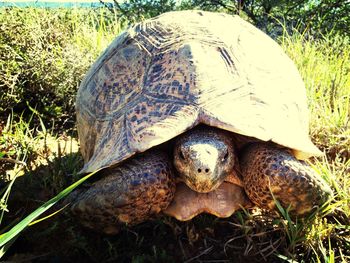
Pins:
x: 199, y: 170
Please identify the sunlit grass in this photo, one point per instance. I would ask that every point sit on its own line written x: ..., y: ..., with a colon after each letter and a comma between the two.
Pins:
x: 45, y: 53
x: 325, y: 67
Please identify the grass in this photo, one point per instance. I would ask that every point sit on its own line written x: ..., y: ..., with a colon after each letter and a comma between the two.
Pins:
x: 44, y: 55
x: 324, y: 65
x: 38, y: 158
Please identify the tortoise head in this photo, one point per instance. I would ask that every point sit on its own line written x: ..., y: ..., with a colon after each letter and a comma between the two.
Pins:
x: 204, y: 158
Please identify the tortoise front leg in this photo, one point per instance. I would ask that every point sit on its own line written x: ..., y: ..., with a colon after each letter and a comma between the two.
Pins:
x: 128, y: 194
x: 268, y: 169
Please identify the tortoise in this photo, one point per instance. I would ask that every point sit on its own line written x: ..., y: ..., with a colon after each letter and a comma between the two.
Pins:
x: 193, y: 112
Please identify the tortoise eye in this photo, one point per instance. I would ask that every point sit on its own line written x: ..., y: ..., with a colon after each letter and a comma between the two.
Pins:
x: 182, y: 156
x: 224, y: 159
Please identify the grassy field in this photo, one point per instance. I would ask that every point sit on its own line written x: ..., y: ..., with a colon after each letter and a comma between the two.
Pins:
x: 43, y: 56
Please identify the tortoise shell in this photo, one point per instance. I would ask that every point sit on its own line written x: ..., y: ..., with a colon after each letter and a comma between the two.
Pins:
x: 168, y: 74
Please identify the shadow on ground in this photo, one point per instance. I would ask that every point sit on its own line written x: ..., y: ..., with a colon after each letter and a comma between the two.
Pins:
x: 243, y: 237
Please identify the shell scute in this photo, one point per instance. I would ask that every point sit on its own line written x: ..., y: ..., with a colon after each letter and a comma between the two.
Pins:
x: 167, y: 74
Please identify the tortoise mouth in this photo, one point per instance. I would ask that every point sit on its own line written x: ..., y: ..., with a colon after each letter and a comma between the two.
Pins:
x: 221, y: 202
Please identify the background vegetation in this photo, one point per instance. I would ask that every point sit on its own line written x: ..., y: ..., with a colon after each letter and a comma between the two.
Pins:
x: 44, y: 54
x: 316, y: 16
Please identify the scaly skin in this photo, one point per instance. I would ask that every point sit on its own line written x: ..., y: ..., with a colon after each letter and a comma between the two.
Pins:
x: 204, y: 158
x: 270, y: 171
x: 143, y: 186
x: 128, y: 194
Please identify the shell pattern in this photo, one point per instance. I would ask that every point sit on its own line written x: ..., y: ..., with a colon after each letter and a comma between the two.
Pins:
x: 168, y: 74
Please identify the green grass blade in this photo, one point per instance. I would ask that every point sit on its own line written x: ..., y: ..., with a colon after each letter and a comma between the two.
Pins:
x: 48, y: 216
x: 4, y: 248
x: 8, y: 236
